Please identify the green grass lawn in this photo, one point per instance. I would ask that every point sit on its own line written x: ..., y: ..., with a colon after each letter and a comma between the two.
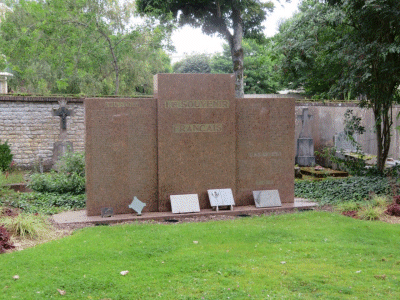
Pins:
x: 295, y: 256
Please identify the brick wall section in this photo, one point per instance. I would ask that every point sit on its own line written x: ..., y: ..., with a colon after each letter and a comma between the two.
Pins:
x: 30, y: 128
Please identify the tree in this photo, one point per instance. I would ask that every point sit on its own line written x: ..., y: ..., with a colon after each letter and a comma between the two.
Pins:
x: 231, y: 19
x: 261, y: 60
x: 195, y: 63
x: 80, y: 46
x: 357, y: 43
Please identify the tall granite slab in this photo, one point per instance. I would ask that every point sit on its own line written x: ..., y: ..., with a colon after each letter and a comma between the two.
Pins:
x: 196, y: 135
x: 265, y: 151
x: 121, y: 154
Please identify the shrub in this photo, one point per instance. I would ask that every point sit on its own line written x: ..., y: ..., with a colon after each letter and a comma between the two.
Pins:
x: 26, y: 225
x: 369, y: 212
x: 5, y: 156
x: 350, y: 206
x: 393, y: 210
x: 72, y: 162
x: 5, y: 243
x: 47, y: 203
x: 59, y: 183
x: 396, y: 199
x: 335, y: 191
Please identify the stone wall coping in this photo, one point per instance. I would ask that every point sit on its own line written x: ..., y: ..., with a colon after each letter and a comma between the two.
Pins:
x: 4, y: 98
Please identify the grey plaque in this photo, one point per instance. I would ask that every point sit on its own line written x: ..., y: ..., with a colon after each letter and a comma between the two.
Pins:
x: 137, y: 205
x: 221, y: 197
x: 107, y: 212
x: 185, y: 203
x: 267, y: 198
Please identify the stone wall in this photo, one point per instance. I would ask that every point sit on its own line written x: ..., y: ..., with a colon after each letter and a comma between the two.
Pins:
x: 31, y: 129
x: 328, y: 120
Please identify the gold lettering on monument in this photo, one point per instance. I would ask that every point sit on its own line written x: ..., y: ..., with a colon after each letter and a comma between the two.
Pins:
x: 193, y: 128
x: 197, y: 104
x: 122, y: 104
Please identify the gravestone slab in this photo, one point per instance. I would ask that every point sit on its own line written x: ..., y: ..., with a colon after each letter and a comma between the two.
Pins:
x: 221, y: 197
x: 185, y: 203
x: 137, y: 205
x: 343, y: 143
x: 267, y: 198
x: 196, y: 134
x: 59, y: 149
x: 305, y: 144
x: 121, y: 154
x: 265, y: 151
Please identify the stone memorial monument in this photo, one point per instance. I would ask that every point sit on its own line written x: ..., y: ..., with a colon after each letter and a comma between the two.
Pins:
x: 194, y: 135
x: 305, y: 144
x: 62, y: 145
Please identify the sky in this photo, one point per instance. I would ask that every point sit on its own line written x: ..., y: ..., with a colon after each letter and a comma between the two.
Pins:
x: 190, y: 40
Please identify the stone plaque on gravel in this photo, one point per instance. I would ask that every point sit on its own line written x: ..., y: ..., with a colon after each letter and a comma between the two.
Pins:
x: 268, y: 198
x: 185, y: 203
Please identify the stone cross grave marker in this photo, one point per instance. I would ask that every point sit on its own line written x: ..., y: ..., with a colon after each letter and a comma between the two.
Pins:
x: 63, y: 113
x: 305, y: 144
x: 62, y: 145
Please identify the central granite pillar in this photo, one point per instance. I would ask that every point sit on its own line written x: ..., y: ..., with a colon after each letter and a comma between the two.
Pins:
x: 196, y: 135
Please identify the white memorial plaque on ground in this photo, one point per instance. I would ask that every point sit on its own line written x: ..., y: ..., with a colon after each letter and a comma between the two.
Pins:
x: 221, y: 197
x: 185, y: 203
x: 267, y: 198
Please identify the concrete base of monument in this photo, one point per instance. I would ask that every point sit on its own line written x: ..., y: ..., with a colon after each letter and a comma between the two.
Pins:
x: 80, y: 217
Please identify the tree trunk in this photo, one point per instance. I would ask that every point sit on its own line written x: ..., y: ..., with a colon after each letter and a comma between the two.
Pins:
x: 235, y: 44
x: 383, y: 123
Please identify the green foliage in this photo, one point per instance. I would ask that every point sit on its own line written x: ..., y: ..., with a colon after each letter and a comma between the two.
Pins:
x: 314, y: 254
x: 260, y: 66
x: 334, y: 191
x: 232, y: 20
x: 72, y: 162
x: 81, y: 47
x: 370, y: 212
x: 5, y: 156
x: 194, y: 63
x: 70, y: 178
x: 45, y: 203
x: 345, y: 50
x: 26, y: 225
x: 60, y: 183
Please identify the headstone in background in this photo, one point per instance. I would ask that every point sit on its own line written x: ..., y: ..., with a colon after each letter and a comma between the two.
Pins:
x: 62, y: 145
x: 305, y: 144
x: 343, y: 143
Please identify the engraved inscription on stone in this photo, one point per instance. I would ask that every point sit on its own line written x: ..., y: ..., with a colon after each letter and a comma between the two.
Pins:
x: 122, y: 104
x: 197, y: 104
x: 221, y: 197
x: 185, y: 203
x: 192, y: 128
x: 265, y: 154
x: 267, y: 198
